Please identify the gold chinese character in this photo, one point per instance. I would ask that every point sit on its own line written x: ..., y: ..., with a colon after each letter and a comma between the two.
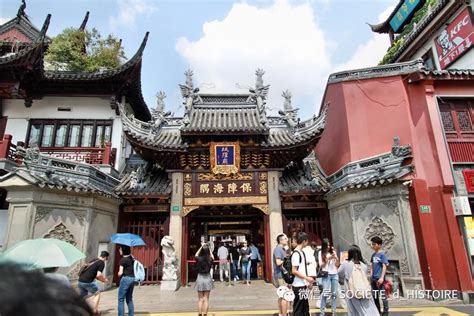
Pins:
x: 231, y: 188
x: 405, y: 7
x: 246, y: 187
x: 204, y: 188
x: 263, y: 187
x: 218, y: 188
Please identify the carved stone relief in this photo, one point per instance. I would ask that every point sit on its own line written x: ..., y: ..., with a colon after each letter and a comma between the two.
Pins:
x: 378, y: 227
x: 358, y: 209
x: 393, y: 206
x: 404, y: 267
x: 42, y: 212
x: 61, y: 232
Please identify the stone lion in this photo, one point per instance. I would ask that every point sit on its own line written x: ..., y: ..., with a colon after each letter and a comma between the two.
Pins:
x: 170, y: 261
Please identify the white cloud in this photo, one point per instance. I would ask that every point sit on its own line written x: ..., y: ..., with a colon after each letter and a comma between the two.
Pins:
x: 129, y: 11
x: 4, y: 20
x: 283, y: 39
x: 371, y: 52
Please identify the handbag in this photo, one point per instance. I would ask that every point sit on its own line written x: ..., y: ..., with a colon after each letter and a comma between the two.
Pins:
x: 322, y: 274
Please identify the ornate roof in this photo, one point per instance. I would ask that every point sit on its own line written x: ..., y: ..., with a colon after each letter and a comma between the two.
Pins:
x: 145, y: 180
x: 30, y: 54
x: 384, y: 27
x: 304, y: 178
x: 46, y: 171
x: 382, y: 169
x: 23, y: 24
x: 222, y: 114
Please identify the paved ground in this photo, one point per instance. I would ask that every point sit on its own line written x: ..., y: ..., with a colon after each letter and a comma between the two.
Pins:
x: 257, y: 299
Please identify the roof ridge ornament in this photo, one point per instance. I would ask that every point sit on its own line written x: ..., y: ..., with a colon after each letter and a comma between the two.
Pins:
x: 190, y: 95
x: 158, y: 115
x: 21, y: 11
x: 289, y: 113
x: 259, y: 95
x: 399, y: 151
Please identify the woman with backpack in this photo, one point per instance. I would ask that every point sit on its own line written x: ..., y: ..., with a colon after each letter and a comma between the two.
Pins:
x: 358, y: 295
x: 127, y: 281
x: 328, y: 264
x: 204, y: 284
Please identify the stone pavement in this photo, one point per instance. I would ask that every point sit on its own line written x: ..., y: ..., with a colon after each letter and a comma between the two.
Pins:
x: 259, y: 298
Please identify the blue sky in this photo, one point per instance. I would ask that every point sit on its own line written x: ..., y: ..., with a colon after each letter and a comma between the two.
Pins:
x: 297, y: 43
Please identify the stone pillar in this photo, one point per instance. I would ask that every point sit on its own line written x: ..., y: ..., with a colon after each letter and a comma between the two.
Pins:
x: 20, y: 217
x: 274, y: 206
x: 176, y: 221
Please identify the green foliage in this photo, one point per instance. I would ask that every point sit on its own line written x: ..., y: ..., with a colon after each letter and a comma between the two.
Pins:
x: 77, y: 50
x: 407, y: 29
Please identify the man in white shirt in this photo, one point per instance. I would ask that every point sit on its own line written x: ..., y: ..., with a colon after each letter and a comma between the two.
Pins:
x: 302, y: 281
x: 223, y: 254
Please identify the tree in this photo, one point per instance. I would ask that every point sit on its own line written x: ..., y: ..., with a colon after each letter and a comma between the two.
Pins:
x: 83, y: 50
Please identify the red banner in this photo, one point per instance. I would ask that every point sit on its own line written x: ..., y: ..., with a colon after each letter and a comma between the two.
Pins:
x: 455, y: 39
x: 469, y: 178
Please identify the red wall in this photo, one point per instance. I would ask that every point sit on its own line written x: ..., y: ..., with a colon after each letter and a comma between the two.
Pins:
x: 363, y: 118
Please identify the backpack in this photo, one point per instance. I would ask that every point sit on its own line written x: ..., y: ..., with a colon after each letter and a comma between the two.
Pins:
x: 286, y: 268
x: 138, y: 271
x: 359, y: 284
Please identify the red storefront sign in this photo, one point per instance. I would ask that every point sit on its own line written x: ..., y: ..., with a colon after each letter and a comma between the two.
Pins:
x: 469, y: 178
x: 456, y: 39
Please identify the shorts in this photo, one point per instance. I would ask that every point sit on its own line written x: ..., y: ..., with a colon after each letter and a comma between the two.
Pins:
x: 223, y: 266
x: 86, y: 288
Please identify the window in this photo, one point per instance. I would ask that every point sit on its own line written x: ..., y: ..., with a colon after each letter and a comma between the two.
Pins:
x: 457, y: 117
x: 69, y: 133
x: 34, y: 134
x: 428, y: 61
x: 60, y: 136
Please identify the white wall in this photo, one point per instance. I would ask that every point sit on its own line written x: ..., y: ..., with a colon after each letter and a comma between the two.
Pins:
x: 3, y: 227
x: 466, y: 61
x: 97, y: 108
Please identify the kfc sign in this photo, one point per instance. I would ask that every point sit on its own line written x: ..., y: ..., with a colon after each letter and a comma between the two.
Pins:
x: 455, y: 39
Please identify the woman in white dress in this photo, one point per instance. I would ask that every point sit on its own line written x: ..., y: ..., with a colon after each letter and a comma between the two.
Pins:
x: 356, y: 306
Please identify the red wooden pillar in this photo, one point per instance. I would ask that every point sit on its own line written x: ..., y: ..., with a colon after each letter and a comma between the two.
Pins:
x: 107, y: 153
x: 268, y: 250
x: 5, y: 145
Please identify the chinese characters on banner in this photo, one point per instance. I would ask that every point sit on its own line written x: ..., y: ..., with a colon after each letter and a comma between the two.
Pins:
x: 209, y: 189
x: 455, y: 39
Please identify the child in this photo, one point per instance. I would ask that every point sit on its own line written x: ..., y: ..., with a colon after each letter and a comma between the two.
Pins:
x: 379, y: 264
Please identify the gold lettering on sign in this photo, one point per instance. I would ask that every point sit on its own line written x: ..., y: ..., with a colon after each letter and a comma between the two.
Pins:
x: 231, y: 188
x: 226, y: 200
x: 204, y: 188
x: 218, y: 188
x: 246, y: 187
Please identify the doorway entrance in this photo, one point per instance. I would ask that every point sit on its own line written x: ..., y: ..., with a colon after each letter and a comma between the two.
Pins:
x: 219, y: 225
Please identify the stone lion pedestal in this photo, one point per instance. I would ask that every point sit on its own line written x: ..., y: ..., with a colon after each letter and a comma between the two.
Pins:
x: 170, y: 280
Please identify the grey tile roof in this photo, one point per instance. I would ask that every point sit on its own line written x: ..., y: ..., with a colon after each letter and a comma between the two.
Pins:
x: 145, y: 181
x: 30, y: 54
x: 45, y: 171
x: 231, y: 119
x: 23, y: 24
x: 380, y: 170
x: 377, y: 71
x: 221, y: 118
x: 304, y: 178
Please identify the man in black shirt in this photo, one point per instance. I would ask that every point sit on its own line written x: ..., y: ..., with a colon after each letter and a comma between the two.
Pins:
x: 234, y: 259
x: 87, y: 278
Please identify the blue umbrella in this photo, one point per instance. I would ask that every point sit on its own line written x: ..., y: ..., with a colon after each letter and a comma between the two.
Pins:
x: 127, y: 239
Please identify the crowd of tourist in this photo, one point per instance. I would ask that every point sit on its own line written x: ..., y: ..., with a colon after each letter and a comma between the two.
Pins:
x: 292, y: 259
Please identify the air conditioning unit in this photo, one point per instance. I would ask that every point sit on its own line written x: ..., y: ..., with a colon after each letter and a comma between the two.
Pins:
x: 461, y: 206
